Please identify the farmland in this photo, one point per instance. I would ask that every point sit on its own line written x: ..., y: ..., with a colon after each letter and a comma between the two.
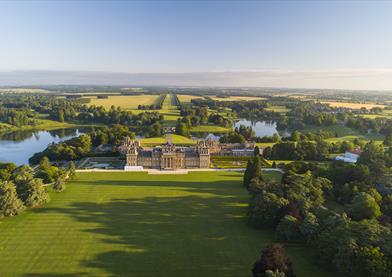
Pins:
x: 134, y: 224
x: 236, y: 98
x: 352, y: 105
x: 126, y: 102
x: 185, y: 98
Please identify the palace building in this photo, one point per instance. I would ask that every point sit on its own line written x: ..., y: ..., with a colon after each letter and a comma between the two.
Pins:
x: 170, y: 157
x: 165, y: 157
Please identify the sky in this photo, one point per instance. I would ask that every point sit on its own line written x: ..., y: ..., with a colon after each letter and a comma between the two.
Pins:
x: 310, y: 44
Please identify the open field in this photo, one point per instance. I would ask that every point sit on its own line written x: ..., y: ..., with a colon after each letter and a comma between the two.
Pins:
x: 236, y: 98
x: 340, y: 129
x: 40, y: 124
x: 176, y: 139
x: 134, y: 224
x: 125, y: 102
x: 265, y: 144
x: 185, y: 98
x: 343, y: 132
x: 23, y: 90
x: 351, y: 105
x: 386, y: 113
x: 278, y: 109
x: 209, y: 129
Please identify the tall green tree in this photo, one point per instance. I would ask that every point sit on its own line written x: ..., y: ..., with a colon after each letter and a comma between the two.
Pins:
x: 10, y: 204
x: 364, y: 206
x: 34, y: 193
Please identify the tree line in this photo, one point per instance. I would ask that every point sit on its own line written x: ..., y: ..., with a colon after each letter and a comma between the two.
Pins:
x: 22, y: 187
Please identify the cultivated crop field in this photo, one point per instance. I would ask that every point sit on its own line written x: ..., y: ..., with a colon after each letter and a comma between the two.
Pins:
x: 125, y: 102
x: 351, y: 105
x: 185, y: 98
x: 237, y: 98
x: 134, y: 224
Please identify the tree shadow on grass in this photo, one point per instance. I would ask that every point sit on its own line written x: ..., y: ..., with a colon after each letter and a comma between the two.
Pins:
x: 196, y: 235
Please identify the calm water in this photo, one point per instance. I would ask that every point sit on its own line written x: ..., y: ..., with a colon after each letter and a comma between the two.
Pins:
x: 262, y: 128
x: 19, y: 146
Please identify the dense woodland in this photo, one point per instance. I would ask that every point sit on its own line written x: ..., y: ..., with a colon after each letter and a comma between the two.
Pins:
x: 356, y: 241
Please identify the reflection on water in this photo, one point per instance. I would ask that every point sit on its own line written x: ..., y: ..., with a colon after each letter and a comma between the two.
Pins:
x: 19, y: 146
x: 262, y: 128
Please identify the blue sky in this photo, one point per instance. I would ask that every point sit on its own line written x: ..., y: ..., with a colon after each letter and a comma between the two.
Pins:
x: 200, y: 36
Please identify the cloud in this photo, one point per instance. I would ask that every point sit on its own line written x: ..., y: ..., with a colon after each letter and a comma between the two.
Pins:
x: 355, y: 79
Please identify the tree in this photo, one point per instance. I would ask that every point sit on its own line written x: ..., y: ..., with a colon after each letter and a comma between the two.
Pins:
x: 59, y: 185
x: 34, y: 193
x: 310, y: 227
x: 61, y: 115
x: 288, y: 228
x: 370, y: 261
x: 248, y: 174
x: 267, y: 152
x: 364, y: 206
x: 373, y: 157
x: 182, y: 129
x: 44, y: 164
x: 296, y: 136
x: 71, y: 169
x: 253, y: 170
x: 273, y: 258
x: 305, y: 190
x: 263, y: 209
x: 388, y: 140
x: 257, y: 151
x: 387, y: 205
x: 21, y: 176
x: 257, y: 171
x: 10, y: 204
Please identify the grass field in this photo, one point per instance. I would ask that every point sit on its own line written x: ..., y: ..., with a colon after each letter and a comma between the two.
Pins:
x: 39, y: 124
x: 209, y: 129
x: 176, y: 139
x: 340, y: 129
x: 343, y: 132
x: 126, y: 102
x: 185, y: 98
x: 134, y: 224
x: 351, y: 105
x: 23, y: 90
x: 278, y: 109
x: 265, y: 144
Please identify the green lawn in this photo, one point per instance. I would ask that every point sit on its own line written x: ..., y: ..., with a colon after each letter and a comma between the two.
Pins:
x: 340, y: 129
x: 134, y: 224
x: 176, y: 139
x: 210, y: 129
x: 41, y: 124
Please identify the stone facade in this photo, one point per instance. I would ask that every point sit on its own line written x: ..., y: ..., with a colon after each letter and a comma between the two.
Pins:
x: 165, y: 157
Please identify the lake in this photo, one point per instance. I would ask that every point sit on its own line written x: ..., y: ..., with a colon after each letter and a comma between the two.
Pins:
x: 18, y: 147
x: 262, y: 128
